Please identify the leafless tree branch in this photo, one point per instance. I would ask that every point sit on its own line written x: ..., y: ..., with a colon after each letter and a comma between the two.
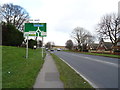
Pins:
x: 14, y: 14
x: 108, y: 27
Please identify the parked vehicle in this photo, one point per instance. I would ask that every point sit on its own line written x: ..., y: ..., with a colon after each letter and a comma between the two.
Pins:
x: 58, y: 49
x: 34, y: 47
x: 46, y: 49
x: 52, y: 50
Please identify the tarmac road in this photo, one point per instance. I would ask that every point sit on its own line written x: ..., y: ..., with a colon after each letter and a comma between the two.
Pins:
x: 102, y: 72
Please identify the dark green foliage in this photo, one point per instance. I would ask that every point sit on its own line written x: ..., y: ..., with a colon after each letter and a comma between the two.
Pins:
x: 117, y: 51
x: 85, y: 50
x: 11, y: 36
x: 84, y: 47
x: 31, y: 43
x: 48, y: 45
x: 69, y: 44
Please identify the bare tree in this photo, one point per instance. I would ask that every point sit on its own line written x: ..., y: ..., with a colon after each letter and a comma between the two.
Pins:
x: 89, y: 39
x: 69, y: 44
x: 14, y: 14
x: 49, y: 45
x: 108, y: 27
x: 53, y: 44
x: 81, y: 35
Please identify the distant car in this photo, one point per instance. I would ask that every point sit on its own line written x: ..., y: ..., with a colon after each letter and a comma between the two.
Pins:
x: 46, y: 49
x: 52, y: 50
x: 34, y: 47
x: 58, y: 49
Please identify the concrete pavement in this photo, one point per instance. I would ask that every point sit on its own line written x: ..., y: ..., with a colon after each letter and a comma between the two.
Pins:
x: 48, y: 77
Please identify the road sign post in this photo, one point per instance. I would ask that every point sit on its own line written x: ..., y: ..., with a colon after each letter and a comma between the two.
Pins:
x: 42, y: 48
x: 34, y: 30
x: 27, y: 47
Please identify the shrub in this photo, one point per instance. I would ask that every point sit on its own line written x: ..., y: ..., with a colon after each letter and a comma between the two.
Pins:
x: 31, y: 43
x: 11, y: 36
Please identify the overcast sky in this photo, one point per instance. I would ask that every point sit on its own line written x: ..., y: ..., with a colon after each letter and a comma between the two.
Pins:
x: 62, y: 16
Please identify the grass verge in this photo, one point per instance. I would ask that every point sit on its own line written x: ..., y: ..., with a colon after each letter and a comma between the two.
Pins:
x: 68, y: 76
x: 17, y: 71
x: 98, y: 54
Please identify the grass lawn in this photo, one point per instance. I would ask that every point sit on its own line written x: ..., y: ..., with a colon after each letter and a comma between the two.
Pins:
x: 68, y: 76
x: 106, y: 55
x: 18, y: 72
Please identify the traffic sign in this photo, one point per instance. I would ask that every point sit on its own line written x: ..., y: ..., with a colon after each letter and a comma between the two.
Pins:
x: 35, y: 29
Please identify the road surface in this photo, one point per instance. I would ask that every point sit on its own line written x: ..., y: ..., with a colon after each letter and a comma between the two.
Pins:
x: 102, y: 72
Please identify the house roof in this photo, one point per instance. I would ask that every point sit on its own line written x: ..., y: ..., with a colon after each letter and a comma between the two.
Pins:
x: 105, y: 45
x: 94, y: 46
x: 108, y: 45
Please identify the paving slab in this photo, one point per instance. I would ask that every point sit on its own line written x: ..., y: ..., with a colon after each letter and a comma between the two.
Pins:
x: 48, y: 76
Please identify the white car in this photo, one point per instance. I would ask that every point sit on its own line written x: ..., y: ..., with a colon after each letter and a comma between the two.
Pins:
x: 58, y: 49
x: 34, y: 46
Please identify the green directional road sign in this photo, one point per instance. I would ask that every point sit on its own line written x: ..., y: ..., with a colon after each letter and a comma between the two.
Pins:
x: 35, y: 29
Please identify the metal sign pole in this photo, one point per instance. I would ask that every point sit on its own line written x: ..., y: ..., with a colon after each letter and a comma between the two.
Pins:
x: 27, y: 47
x: 38, y: 30
x: 38, y: 41
x: 42, y: 47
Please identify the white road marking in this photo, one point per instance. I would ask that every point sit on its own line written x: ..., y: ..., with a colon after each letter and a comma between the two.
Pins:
x: 92, y: 84
x: 97, y: 60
